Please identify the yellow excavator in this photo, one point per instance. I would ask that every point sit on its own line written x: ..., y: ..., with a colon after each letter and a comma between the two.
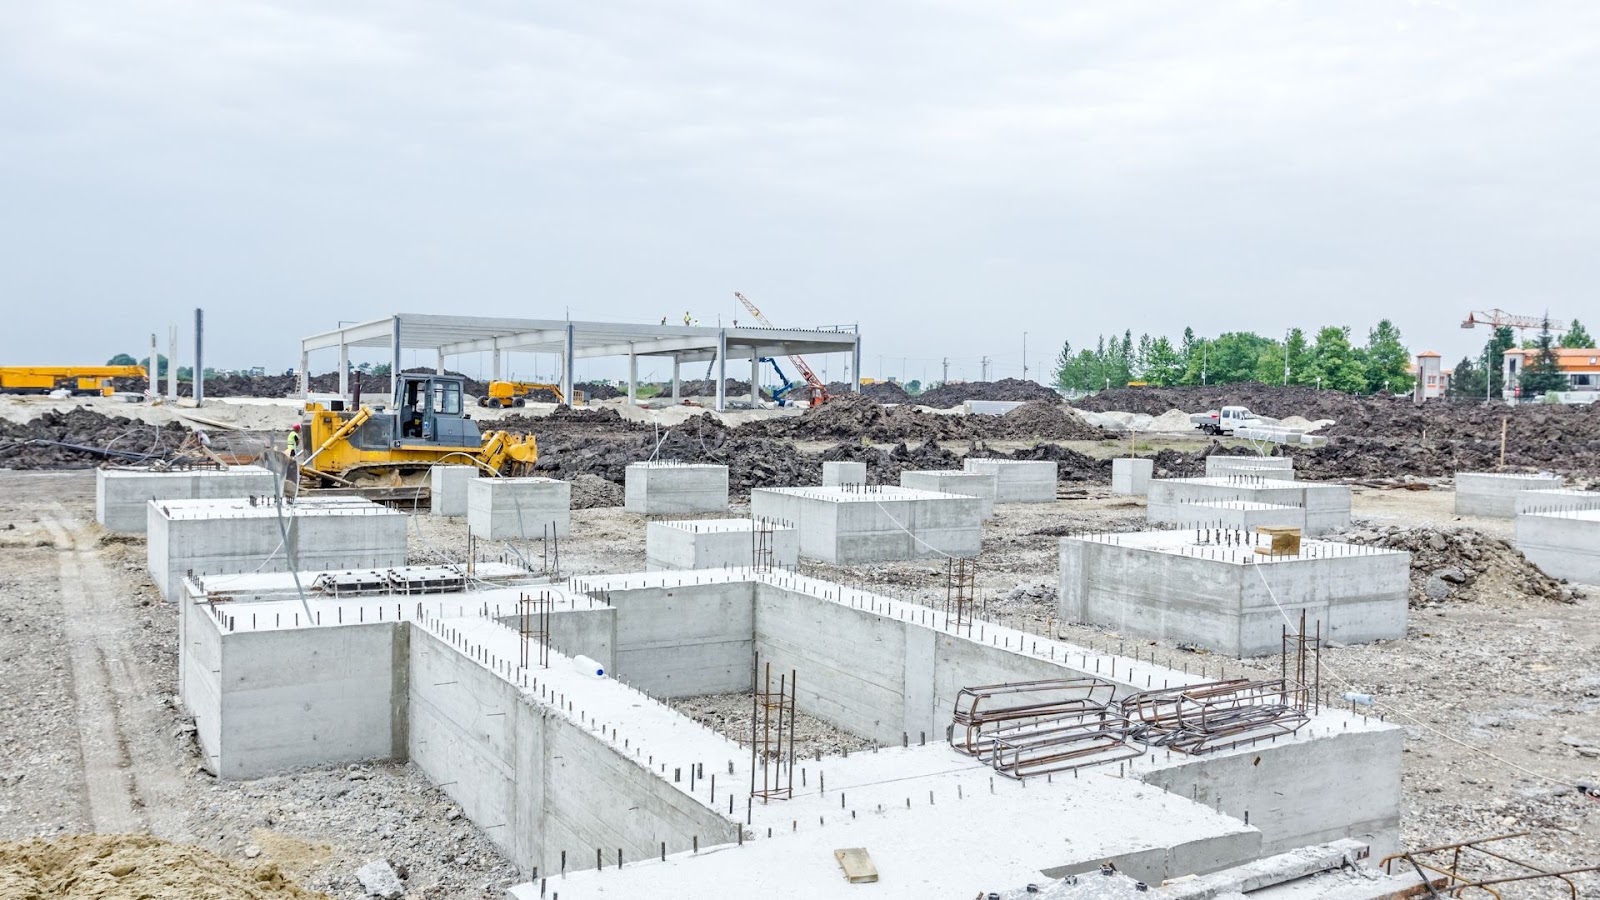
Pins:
x: 515, y: 393
x: 389, y: 452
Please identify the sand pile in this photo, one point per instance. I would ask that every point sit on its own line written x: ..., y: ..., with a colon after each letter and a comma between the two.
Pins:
x: 133, y: 867
x: 1464, y: 565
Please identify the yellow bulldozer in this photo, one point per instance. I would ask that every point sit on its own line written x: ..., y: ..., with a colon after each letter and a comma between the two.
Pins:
x: 515, y: 393
x: 386, y: 454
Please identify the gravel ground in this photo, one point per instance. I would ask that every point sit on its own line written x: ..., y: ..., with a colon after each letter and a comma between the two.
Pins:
x: 1500, y: 698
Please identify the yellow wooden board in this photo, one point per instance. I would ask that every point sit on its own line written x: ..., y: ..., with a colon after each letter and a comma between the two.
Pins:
x: 857, y: 865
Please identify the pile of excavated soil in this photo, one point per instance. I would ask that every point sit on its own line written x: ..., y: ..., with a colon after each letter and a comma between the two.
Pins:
x: 1263, y: 399
x: 592, y: 491
x: 852, y: 416
x: 133, y: 867
x: 881, y: 391
x: 1464, y: 565
x: 947, y: 395
x: 56, y: 440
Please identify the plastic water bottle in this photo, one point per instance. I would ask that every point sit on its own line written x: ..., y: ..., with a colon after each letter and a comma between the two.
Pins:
x: 1358, y: 699
x: 587, y: 666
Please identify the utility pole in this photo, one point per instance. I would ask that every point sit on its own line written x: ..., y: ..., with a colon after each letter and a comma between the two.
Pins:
x: 946, y: 379
x: 1205, y: 358
x: 1286, y: 358
x: 1024, y: 356
x: 984, y: 361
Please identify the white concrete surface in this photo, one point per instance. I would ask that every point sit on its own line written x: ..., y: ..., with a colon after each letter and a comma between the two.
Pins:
x: 1244, y: 515
x: 1017, y: 480
x: 1276, y: 468
x: 1131, y: 475
x: 837, y: 473
x: 953, y: 481
x: 1494, y: 494
x: 1563, y: 543
x: 447, y: 489
x: 121, y: 495
x: 1556, y: 499
x: 1327, y: 506
x: 861, y: 524
x: 1215, y: 591
x: 519, y: 509
x: 716, y: 544
x: 664, y: 488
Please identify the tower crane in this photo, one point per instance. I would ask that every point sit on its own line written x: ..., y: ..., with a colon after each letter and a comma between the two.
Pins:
x: 819, y: 391
x: 1499, y: 318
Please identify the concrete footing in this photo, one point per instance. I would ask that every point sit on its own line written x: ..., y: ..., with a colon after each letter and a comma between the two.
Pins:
x: 837, y: 473
x: 1563, y: 543
x: 1556, y: 500
x: 1244, y: 515
x: 1214, y: 590
x: 1131, y: 475
x: 1017, y: 480
x: 519, y: 509
x: 1326, y: 506
x: 447, y: 489
x: 863, y: 524
x: 665, y: 488
x: 1494, y: 494
x: 122, y: 496
x: 952, y: 481
x: 209, y: 537
x: 718, y: 543
x: 1274, y: 468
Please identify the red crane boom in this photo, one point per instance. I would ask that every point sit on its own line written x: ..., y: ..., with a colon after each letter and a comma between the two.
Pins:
x: 819, y: 391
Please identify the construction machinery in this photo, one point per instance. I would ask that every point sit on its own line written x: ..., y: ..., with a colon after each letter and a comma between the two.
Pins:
x: 381, y: 451
x: 81, y: 380
x: 515, y: 393
x: 1499, y: 318
x: 817, y: 391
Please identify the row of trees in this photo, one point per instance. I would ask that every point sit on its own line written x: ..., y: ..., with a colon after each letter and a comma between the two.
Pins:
x: 1328, y: 360
x: 1485, y: 376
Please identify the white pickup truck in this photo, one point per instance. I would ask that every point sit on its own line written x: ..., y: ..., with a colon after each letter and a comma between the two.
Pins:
x: 1226, y: 420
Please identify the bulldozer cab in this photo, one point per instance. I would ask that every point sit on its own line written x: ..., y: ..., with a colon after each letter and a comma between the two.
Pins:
x: 429, y: 409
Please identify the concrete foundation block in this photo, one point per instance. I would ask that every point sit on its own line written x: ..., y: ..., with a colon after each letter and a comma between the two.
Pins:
x: 1565, y: 544
x: 210, y: 537
x: 1131, y: 475
x: 1494, y: 494
x: 844, y: 525
x: 1326, y: 506
x: 1018, y: 480
x: 1556, y: 500
x: 717, y: 544
x: 1224, y: 596
x: 516, y: 509
x: 837, y: 473
x: 1274, y: 468
x: 1231, y: 515
x: 952, y: 481
x: 661, y: 488
x: 121, y: 496
x: 447, y: 489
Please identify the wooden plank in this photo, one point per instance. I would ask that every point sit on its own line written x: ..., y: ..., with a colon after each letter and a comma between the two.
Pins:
x: 857, y: 865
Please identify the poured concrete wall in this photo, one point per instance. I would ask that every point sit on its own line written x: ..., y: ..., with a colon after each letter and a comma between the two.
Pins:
x: 1229, y: 606
x: 519, y: 509
x: 1017, y: 480
x: 685, y: 641
x: 837, y: 473
x: 1564, y: 544
x: 224, y: 536
x: 844, y: 526
x: 121, y: 496
x: 1275, y: 468
x: 656, y: 489
x: 535, y: 781
x: 1327, y: 506
x: 1229, y: 514
x: 1556, y: 500
x: 1494, y: 494
x: 1131, y: 475
x: 447, y: 489
x: 953, y: 481
x: 715, y: 544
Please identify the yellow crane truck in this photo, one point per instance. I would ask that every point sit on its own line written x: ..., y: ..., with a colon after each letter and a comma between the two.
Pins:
x: 515, y: 393
x: 380, y: 450
x: 82, y: 380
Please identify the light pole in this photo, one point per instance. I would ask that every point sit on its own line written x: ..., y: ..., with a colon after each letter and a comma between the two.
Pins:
x: 1286, y: 357
x: 1024, y: 356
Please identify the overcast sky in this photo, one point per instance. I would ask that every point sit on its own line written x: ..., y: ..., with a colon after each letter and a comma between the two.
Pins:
x: 947, y: 174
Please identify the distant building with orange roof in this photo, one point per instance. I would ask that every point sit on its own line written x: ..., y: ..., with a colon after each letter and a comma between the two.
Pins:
x: 1432, y: 381
x: 1581, y: 365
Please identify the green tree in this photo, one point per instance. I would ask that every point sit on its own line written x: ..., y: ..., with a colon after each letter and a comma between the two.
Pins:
x: 1387, y: 360
x: 381, y: 369
x: 161, y: 363
x: 1494, y: 357
x: 1577, y: 337
x: 1466, y: 382
x: 1542, y: 374
x: 1165, y: 363
x: 1336, y: 365
x: 914, y: 387
x: 122, y: 359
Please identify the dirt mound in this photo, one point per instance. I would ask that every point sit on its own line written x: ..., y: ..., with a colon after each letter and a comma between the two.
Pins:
x: 592, y: 491
x: 1463, y: 565
x: 1046, y: 419
x: 947, y: 395
x: 1268, y: 400
x: 81, y: 439
x: 133, y: 867
x: 1070, y: 464
x: 881, y: 391
x: 885, y: 466
x: 852, y: 416
x: 602, y: 390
